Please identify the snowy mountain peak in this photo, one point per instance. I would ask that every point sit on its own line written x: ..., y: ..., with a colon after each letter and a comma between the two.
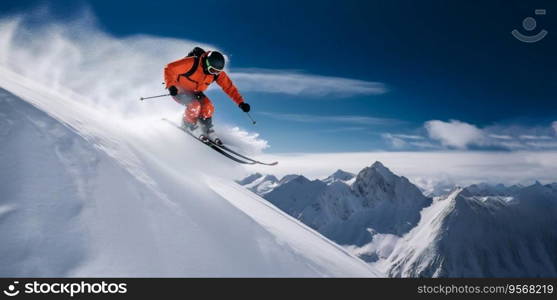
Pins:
x: 298, y: 179
x: 271, y: 178
x: 295, y: 193
x: 344, y: 207
x: 339, y: 175
x: 376, y: 170
x: 378, y: 180
x: 395, y: 197
x: 537, y: 192
x: 378, y: 164
x: 468, y: 235
x: 287, y: 178
x: 342, y: 175
x: 260, y: 184
x: 485, y: 189
x: 251, y: 178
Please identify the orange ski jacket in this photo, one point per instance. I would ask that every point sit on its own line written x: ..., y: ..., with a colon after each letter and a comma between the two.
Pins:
x: 175, y: 73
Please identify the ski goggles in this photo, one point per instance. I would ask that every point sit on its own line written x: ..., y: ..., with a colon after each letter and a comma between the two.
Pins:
x: 211, y: 69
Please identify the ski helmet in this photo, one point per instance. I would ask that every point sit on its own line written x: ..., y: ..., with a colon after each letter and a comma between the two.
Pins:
x: 214, y: 62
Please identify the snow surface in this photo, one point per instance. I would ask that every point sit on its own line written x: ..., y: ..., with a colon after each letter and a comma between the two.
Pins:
x: 86, y: 192
x: 466, y: 235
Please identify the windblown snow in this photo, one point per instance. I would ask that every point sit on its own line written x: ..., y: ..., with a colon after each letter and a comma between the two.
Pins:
x: 87, y: 193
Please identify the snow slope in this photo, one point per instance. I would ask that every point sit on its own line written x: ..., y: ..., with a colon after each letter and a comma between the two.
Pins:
x: 86, y: 192
x: 469, y: 234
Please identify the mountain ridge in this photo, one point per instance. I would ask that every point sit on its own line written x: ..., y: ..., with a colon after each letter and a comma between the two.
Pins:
x: 450, y: 235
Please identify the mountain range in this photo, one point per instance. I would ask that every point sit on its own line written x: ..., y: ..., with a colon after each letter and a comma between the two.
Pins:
x: 481, y: 230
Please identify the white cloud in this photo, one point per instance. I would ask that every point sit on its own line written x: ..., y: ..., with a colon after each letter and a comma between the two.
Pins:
x: 350, y: 119
x: 543, y: 144
x: 501, y: 137
x: 395, y: 141
x: 454, y: 133
x: 296, y: 83
x: 409, y: 137
x: 424, y: 145
x: 512, y: 145
x: 554, y: 125
x: 462, y: 135
x: 344, y: 129
x: 407, y: 141
x: 535, y: 137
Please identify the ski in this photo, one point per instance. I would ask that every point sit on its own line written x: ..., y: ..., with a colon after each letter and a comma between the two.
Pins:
x: 245, y: 157
x: 212, y: 145
x: 228, y: 150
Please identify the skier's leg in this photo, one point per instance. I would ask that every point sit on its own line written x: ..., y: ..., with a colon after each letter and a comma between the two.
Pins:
x: 190, y: 121
x: 185, y: 98
x: 207, y: 108
x: 191, y: 114
x: 206, y: 118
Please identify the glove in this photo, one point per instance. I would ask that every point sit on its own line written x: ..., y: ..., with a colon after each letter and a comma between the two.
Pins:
x: 244, y: 106
x: 173, y: 91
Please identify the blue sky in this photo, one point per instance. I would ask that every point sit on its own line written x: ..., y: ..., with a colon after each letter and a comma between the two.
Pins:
x: 379, y: 75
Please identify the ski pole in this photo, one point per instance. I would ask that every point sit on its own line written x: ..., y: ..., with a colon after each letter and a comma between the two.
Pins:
x: 249, y: 116
x: 143, y: 98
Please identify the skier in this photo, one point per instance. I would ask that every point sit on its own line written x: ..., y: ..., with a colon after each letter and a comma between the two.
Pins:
x: 187, y: 78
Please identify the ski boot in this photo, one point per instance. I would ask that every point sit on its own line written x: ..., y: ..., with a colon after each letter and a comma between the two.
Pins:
x: 210, y: 131
x: 198, y: 130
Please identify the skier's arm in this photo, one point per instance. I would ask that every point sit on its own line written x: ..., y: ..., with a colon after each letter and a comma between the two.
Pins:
x: 229, y: 88
x: 174, y: 69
